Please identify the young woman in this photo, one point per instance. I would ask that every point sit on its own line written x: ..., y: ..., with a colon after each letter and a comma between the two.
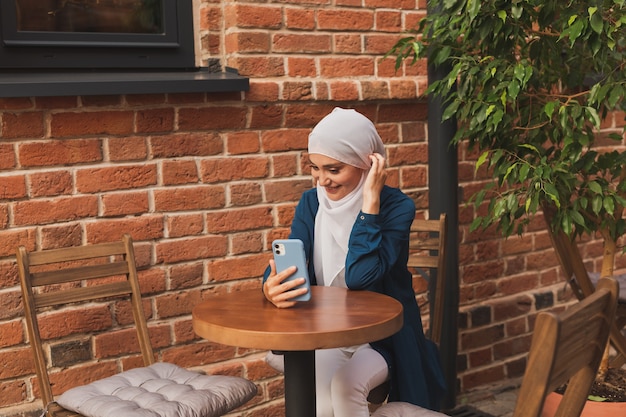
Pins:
x: 355, y: 231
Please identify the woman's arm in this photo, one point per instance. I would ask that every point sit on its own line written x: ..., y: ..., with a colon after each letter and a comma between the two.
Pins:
x: 378, y: 243
x: 380, y: 234
x: 275, y: 288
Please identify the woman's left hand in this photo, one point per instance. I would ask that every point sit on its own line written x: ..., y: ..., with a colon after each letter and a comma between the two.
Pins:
x: 374, y: 184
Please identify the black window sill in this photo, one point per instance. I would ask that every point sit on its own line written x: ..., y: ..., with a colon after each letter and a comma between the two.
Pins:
x: 83, y: 83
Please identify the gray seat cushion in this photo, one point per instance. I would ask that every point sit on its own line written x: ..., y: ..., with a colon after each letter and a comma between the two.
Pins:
x: 163, y: 390
x: 402, y: 409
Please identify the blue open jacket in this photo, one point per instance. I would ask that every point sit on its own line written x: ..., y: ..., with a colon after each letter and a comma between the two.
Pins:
x: 377, y: 261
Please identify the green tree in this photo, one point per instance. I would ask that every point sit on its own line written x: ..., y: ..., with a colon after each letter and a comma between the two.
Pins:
x: 530, y: 83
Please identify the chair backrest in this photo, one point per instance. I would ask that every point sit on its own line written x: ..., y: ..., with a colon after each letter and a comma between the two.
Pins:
x: 567, y: 347
x: 427, y: 251
x: 55, y: 277
x: 427, y: 244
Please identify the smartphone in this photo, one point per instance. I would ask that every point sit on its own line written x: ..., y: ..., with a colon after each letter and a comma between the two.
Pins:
x: 290, y: 252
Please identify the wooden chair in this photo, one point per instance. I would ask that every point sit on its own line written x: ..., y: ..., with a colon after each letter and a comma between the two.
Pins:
x: 102, y: 273
x: 583, y: 286
x: 568, y: 347
x: 426, y: 255
x: 565, y: 347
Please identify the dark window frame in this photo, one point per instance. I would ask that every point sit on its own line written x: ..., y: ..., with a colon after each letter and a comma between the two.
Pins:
x: 172, y: 49
x: 68, y: 68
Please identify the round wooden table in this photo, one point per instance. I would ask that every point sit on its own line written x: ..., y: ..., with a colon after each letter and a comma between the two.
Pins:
x: 334, y: 317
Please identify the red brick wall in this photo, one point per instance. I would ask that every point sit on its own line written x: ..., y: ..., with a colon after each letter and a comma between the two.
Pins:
x: 204, y: 181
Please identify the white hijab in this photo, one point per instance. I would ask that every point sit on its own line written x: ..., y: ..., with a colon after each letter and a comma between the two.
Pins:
x: 349, y: 137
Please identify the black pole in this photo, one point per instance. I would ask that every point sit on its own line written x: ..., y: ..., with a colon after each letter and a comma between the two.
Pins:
x: 443, y: 184
x: 300, y: 383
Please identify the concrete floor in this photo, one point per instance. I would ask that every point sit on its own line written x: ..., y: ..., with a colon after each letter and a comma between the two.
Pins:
x: 499, y: 405
x: 496, y: 401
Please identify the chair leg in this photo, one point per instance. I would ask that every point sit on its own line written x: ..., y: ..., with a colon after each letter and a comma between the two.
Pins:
x: 618, y: 341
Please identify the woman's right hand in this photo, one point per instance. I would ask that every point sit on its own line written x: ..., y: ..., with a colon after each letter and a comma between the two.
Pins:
x: 374, y: 183
x: 279, y: 291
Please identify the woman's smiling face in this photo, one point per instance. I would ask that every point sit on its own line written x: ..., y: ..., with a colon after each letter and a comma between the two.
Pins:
x: 337, y: 178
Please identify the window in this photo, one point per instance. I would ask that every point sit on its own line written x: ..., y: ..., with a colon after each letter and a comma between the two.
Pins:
x: 88, y: 47
x: 97, y: 34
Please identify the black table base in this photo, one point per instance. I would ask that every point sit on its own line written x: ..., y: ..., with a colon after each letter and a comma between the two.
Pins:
x: 300, y: 383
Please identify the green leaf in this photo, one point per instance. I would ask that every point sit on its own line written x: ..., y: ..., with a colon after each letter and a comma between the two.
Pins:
x: 502, y: 15
x: 552, y: 193
x: 508, y: 171
x: 481, y: 160
x: 529, y: 146
x: 595, y: 187
x: 442, y: 55
x: 594, y: 93
x: 596, y: 398
x: 609, y: 205
x: 577, y: 218
x: 475, y: 224
x: 572, y: 19
x: 574, y: 31
x: 611, y: 44
x: 597, y: 24
x: 523, y: 172
x: 595, y: 44
x: 617, y: 93
x: 513, y: 89
x: 473, y: 6
x: 418, y: 49
x: 498, y: 208
x: 596, y: 204
x: 497, y: 118
x: 479, y: 197
x: 450, y: 110
x: 548, y: 109
x: 602, y: 92
x: 529, y: 73
x: 593, y: 115
x: 519, y: 72
x: 566, y: 225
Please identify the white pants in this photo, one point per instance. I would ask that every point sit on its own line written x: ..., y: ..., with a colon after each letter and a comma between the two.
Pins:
x: 343, y: 379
